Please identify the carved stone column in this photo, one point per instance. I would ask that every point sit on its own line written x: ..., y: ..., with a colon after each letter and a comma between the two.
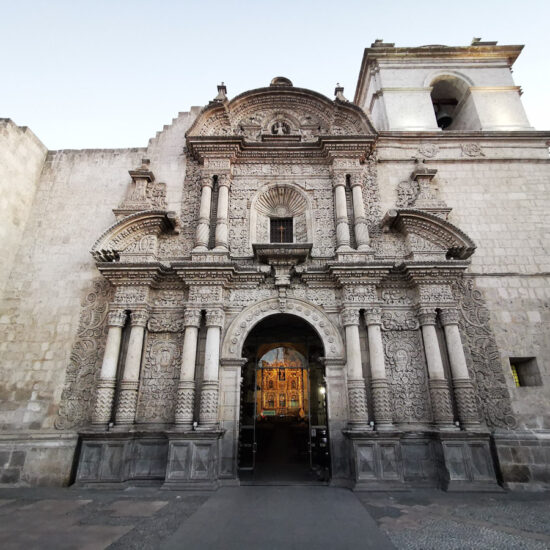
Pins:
x: 379, y: 384
x: 439, y: 388
x: 223, y: 212
x: 185, y: 401
x: 208, y: 415
x: 203, y: 225
x: 359, y: 217
x: 358, y: 415
x: 105, y: 396
x: 341, y: 211
x: 128, y: 390
x: 464, y: 391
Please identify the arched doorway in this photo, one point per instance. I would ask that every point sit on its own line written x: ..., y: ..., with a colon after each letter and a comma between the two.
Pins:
x: 283, y: 427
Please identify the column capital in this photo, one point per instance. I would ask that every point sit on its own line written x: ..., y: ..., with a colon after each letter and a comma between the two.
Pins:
x: 373, y: 316
x: 139, y: 317
x: 224, y: 180
x: 449, y: 316
x: 206, y: 180
x: 355, y: 180
x: 350, y: 316
x: 192, y: 318
x: 426, y: 315
x: 215, y: 317
x: 338, y: 179
x: 116, y: 318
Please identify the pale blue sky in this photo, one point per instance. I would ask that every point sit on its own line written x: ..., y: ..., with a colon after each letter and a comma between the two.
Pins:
x: 110, y: 73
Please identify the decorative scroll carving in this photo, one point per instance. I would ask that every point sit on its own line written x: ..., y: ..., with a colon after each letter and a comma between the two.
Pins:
x: 435, y: 294
x: 360, y: 293
x: 371, y: 196
x: 483, y: 357
x: 398, y: 296
x: 399, y: 320
x: 159, y: 378
x: 407, y: 372
x: 165, y: 322
x: 130, y: 295
x: 77, y: 398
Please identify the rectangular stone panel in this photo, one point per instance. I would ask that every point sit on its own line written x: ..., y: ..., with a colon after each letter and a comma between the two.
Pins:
x: 389, y: 461
x: 112, y: 462
x: 90, y: 461
x: 179, y: 463
x: 366, y: 461
x: 149, y: 459
x: 481, y: 464
x: 202, y: 466
x: 418, y: 461
x: 456, y: 461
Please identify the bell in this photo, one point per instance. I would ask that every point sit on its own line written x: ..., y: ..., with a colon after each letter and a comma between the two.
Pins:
x: 443, y: 117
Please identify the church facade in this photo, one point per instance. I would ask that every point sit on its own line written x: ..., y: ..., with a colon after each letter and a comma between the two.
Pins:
x: 287, y: 287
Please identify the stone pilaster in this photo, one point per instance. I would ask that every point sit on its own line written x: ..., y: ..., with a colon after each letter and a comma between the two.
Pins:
x: 356, y: 384
x: 128, y: 390
x: 224, y: 182
x: 185, y: 400
x: 383, y: 417
x: 439, y: 389
x: 208, y: 414
x: 341, y: 212
x: 105, y: 395
x: 203, y: 224
x: 359, y: 216
x: 464, y: 390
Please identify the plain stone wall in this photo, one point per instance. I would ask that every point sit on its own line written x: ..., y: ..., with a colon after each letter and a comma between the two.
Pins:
x: 501, y: 200
x: 22, y: 156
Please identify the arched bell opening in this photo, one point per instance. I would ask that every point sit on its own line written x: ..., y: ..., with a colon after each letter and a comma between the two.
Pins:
x: 283, y: 427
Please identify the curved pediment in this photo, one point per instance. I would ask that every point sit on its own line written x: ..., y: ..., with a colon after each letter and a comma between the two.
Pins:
x: 281, y: 110
x: 134, y: 238
x: 432, y: 231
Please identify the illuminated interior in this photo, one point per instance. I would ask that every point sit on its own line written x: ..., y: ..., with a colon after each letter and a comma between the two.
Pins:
x: 282, y: 384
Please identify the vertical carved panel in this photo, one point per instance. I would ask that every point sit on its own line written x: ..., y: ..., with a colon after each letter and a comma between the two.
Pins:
x: 483, y: 357
x: 77, y: 399
x: 159, y: 378
x: 407, y: 373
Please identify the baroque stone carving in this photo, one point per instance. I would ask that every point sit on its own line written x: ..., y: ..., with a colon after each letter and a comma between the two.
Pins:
x: 428, y: 150
x: 483, y: 357
x: 398, y: 296
x: 471, y: 150
x: 165, y: 322
x: 159, y: 378
x: 77, y: 398
x: 407, y: 372
x: 399, y: 320
x: 407, y: 191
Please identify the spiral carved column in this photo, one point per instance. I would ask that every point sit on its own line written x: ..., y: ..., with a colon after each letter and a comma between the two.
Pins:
x: 464, y: 391
x: 208, y: 414
x: 128, y: 390
x: 357, y: 395
x: 105, y: 395
x: 383, y: 416
x: 440, y: 396
x: 185, y: 400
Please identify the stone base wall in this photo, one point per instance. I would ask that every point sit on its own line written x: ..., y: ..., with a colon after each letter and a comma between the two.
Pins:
x: 524, y: 460
x: 37, y: 459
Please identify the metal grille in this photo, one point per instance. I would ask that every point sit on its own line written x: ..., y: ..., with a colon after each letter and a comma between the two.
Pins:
x: 281, y: 230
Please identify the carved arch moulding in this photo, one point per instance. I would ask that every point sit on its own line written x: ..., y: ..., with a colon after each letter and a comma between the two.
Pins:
x: 242, y: 325
x: 134, y: 238
x: 277, y: 112
x: 429, y: 233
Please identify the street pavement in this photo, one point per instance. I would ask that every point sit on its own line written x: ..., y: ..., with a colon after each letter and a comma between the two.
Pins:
x: 270, y: 517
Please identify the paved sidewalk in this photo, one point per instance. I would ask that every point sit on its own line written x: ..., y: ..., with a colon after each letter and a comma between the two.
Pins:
x: 270, y: 517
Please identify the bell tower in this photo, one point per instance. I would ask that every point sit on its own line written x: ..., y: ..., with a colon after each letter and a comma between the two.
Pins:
x: 440, y: 88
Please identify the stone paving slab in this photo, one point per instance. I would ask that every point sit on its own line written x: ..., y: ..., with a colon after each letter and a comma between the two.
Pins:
x: 289, y: 517
x: 425, y: 520
x: 138, y: 509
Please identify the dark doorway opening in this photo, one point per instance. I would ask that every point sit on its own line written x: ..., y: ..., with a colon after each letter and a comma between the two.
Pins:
x: 283, y: 431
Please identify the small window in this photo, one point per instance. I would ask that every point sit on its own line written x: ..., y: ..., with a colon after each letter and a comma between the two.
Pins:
x: 281, y: 230
x: 525, y: 371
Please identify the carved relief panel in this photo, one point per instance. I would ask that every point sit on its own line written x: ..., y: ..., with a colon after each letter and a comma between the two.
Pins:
x: 159, y: 378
